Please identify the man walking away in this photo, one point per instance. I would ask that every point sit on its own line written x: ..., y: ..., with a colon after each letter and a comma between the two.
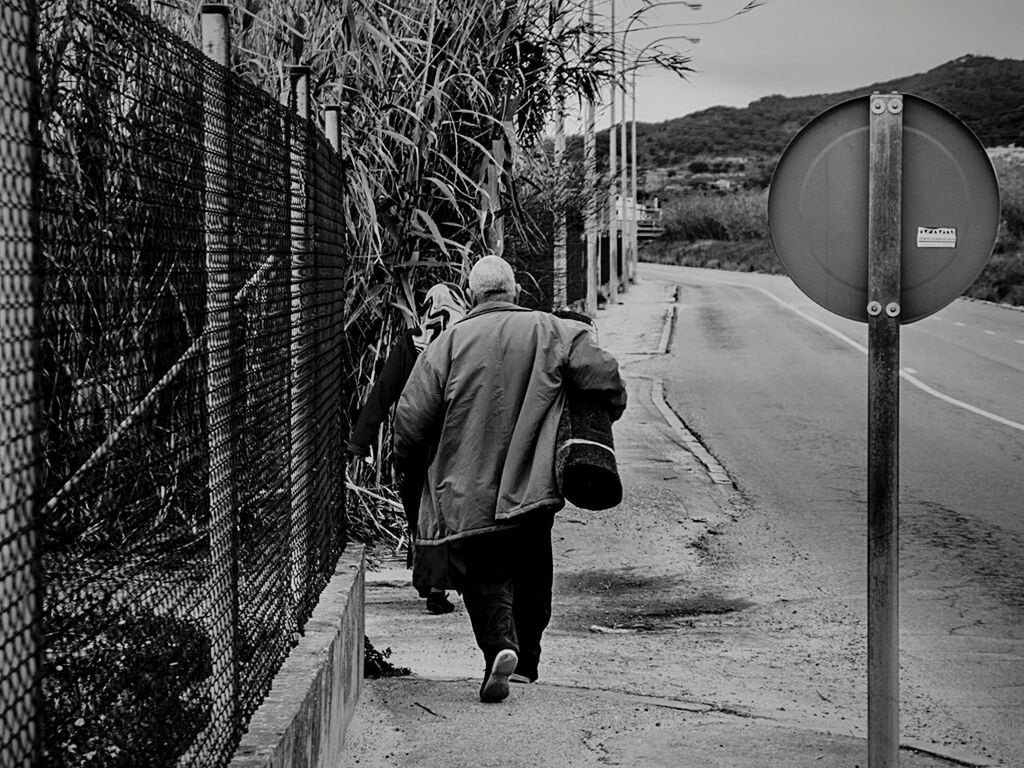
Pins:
x: 483, y: 404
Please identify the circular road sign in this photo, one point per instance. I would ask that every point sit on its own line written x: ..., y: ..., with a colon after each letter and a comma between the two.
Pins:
x: 818, y: 209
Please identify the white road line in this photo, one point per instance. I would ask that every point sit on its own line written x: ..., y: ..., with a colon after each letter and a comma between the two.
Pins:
x: 990, y: 333
x: 904, y: 373
x: 961, y: 404
x: 1019, y: 341
x: 908, y: 370
x: 958, y: 324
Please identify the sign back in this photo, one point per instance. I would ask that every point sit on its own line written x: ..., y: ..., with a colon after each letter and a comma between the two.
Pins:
x: 818, y: 209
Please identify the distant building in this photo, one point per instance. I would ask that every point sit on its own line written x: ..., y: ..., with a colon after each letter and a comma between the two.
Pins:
x: 647, y: 216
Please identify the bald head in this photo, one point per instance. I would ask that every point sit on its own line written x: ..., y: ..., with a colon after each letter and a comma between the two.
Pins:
x: 492, y: 279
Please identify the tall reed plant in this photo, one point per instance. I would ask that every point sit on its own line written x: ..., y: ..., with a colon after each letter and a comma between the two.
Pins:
x: 434, y: 96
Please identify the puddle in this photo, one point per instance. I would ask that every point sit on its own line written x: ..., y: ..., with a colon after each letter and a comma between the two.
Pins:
x: 625, y: 601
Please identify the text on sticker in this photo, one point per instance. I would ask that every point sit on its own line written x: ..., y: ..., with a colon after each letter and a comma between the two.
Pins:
x: 936, y: 237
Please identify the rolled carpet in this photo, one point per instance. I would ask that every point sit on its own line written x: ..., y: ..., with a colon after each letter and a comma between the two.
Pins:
x: 585, y: 466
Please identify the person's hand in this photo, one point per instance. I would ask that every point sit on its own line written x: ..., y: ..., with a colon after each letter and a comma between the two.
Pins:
x: 354, y: 452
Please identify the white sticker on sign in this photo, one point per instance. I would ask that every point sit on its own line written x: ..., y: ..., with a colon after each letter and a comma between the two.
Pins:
x: 936, y: 237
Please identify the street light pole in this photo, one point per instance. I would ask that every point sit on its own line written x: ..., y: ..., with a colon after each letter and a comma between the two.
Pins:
x: 626, y: 255
x: 634, y: 245
x: 629, y: 243
x: 628, y: 191
x: 634, y: 236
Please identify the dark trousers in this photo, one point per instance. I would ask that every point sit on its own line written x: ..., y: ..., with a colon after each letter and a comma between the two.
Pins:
x: 410, y: 487
x: 507, y: 589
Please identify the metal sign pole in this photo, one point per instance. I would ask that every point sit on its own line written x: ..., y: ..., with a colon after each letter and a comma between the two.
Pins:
x: 925, y: 168
x: 885, y: 182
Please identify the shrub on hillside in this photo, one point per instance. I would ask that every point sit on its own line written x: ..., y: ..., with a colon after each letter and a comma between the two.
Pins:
x: 1009, y: 167
x: 746, y: 256
x: 732, y: 216
x: 1002, y: 280
x: 729, y: 230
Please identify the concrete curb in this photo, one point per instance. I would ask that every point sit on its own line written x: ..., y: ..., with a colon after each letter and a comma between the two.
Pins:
x: 715, y: 470
x: 668, y: 323
x: 302, y: 721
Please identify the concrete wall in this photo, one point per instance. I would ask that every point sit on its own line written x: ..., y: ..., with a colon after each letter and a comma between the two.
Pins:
x: 302, y: 722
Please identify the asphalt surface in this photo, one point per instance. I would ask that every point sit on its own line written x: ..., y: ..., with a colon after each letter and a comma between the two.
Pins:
x: 637, y: 666
x: 783, y: 404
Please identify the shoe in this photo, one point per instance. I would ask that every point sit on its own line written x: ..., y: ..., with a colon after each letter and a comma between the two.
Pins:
x: 495, y: 687
x: 524, y: 673
x: 438, y: 602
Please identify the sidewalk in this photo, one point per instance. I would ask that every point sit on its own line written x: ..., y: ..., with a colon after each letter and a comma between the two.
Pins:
x: 612, y: 690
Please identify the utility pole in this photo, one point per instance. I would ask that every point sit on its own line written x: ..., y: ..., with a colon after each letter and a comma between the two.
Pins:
x: 623, y: 189
x: 613, y: 235
x: 590, y: 160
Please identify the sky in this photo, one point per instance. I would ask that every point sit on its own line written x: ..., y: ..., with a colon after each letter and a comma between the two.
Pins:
x: 800, y: 47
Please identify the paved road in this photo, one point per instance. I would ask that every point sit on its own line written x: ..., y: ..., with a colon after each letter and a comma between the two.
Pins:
x: 777, y: 388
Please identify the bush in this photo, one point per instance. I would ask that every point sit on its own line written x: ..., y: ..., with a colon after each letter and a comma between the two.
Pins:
x: 1002, y: 280
x: 1009, y: 167
x: 732, y: 216
x: 729, y: 230
x: 376, y: 664
x: 746, y: 256
x: 123, y: 690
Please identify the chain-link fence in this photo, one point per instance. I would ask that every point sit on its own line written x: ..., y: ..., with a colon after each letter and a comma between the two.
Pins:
x: 173, y: 361
x: 19, y: 401
x: 174, y: 384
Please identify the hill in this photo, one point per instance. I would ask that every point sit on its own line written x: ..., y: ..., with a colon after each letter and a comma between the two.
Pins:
x: 711, y: 169
x: 984, y: 92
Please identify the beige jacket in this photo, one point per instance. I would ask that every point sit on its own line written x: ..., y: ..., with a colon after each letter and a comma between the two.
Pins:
x: 482, y: 406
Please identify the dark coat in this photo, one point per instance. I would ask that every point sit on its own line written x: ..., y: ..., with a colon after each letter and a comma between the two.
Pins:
x: 483, y: 403
x: 384, y: 394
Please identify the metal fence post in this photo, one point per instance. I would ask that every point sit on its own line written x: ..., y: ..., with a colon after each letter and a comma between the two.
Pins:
x: 20, y: 582
x: 495, y: 233
x: 335, y: 270
x: 560, y: 282
x: 332, y: 126
x: 301, y: 384
x: 222, y: 378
